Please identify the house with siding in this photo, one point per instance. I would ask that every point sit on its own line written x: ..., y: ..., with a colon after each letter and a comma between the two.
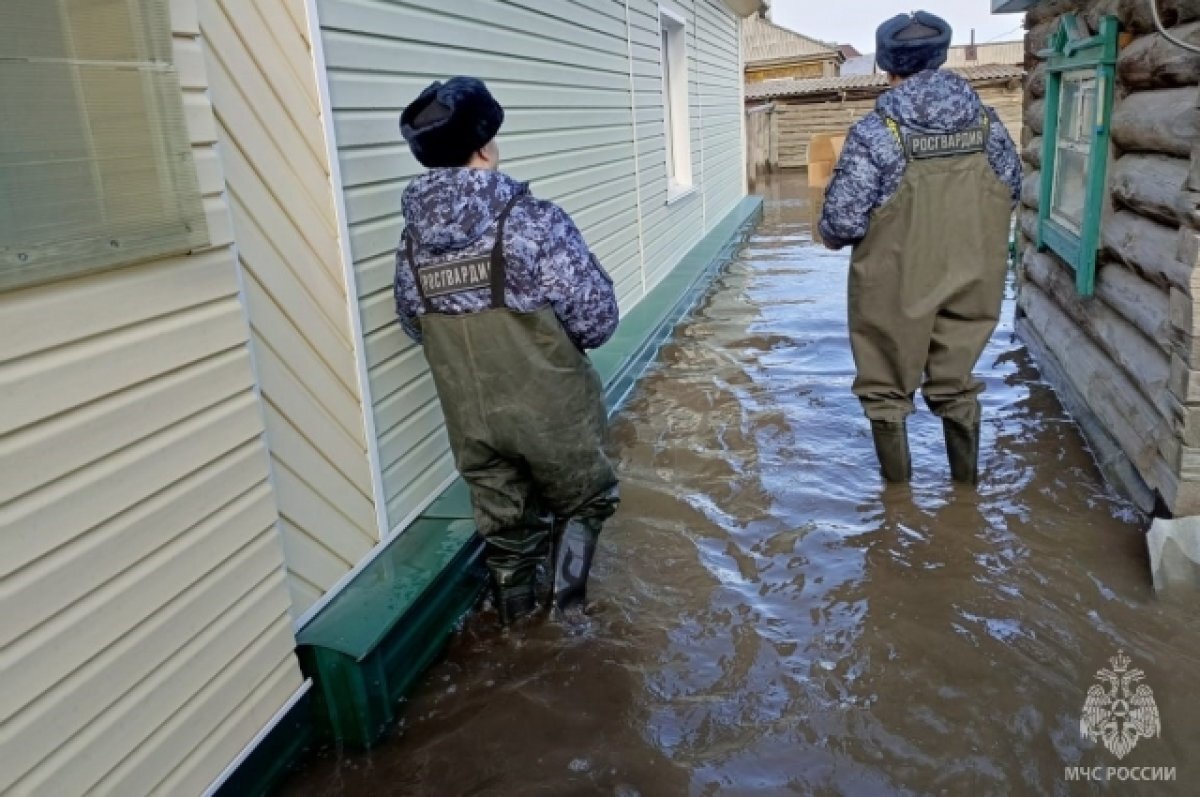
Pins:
x: 773, y: 52
x: 1006, y: 53
x: 1110, y: 232
x: 224, y: 481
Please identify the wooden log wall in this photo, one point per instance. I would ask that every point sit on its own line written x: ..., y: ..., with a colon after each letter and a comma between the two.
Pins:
x: 1127, y: 361
x: 796, y: 123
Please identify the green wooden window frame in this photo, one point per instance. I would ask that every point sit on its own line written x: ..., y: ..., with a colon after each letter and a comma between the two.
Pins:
x: 1079, y: 59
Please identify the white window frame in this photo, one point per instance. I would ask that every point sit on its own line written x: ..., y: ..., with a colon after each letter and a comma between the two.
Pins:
x: 677, y: 134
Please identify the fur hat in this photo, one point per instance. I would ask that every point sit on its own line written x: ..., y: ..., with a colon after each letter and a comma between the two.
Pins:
x: 906, y: 45
x: 450, y: 121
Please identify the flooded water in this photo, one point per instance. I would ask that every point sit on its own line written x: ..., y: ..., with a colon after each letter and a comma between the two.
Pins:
x: 770, y: 620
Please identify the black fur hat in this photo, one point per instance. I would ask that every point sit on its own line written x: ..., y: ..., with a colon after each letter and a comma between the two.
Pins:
x: 906, y: 45
x: 450, y: 121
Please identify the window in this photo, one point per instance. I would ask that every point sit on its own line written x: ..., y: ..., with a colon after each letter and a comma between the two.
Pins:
x: 1076, y: 123
x: 96, y: 166
x: 1075, y: 147
x: 673, y: 36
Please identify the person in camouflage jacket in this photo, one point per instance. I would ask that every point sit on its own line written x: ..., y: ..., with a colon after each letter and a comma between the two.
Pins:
x: 873, y: 162
x: 450, y: 213
x: 924, y: 191
x: 502, y: 292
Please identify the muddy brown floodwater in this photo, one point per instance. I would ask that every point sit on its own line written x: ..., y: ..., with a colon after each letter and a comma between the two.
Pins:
x: 770, y: 620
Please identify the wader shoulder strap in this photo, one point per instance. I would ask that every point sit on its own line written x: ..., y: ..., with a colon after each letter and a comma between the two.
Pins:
x: 499, y: 265
x: 412, y: 264
x: 463, y: 275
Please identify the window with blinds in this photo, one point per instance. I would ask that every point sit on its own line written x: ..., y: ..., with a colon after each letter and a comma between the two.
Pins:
x: 96, y: 165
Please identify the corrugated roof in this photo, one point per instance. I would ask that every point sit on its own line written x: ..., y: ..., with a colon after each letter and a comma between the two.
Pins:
x: 771, y: 89
x: 766, y: 42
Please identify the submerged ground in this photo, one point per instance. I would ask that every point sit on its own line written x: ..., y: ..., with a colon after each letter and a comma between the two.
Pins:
x: 770, y: 620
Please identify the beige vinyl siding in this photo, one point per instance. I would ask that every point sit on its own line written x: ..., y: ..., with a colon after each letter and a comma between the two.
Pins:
x: 581, y: 121
x: 144, y: 628
x: 263, y: 88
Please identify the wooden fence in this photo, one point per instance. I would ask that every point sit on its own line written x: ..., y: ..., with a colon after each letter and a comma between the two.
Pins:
x: 796, y: 124
x: 760, y: 152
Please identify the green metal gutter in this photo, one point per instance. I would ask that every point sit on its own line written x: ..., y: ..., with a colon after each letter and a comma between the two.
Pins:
x: 368, y: 647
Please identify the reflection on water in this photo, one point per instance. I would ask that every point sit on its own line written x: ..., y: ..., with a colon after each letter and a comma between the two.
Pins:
x: 771, y: 620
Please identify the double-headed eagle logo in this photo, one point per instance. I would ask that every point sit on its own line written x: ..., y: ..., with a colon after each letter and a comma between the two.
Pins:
x: 1121, y: 713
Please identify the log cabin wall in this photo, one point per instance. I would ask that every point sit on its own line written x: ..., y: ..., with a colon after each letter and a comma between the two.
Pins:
x: 1126, y: 362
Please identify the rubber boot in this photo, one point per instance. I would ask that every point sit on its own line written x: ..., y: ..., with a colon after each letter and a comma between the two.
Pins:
x: 518, y: 561
x: 574, y: 549
x: 962, y: 448
x: 891, y: 446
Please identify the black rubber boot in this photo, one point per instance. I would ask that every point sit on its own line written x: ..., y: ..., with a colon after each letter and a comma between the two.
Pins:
x: 518, y: 561
x: 574, y: 549
x: 962, y: 448
x: 891, y: 446
x: 514, y: 591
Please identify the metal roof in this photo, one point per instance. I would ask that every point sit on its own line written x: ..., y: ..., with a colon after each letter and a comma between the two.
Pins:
x: 766, y: 42
x: 770, y: 89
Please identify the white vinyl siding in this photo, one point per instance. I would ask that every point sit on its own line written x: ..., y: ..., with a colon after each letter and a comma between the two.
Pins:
x: 271, y: 136
x: 144, y: 628
x: 714, y: 105
x: 583, y: 123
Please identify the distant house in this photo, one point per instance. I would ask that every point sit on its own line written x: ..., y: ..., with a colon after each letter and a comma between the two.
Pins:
x: 773, y: 52
x: 1011, y: 53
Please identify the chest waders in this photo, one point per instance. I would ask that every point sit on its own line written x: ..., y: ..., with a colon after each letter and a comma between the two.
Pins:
x: 926, y: 285
x: 525, y: 415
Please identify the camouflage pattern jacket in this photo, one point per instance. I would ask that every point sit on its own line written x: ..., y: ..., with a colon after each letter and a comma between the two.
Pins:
x: 872, y: 164
x: 451, y: 214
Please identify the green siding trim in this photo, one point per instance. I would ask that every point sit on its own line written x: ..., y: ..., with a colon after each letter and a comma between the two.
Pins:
x: 275, y: 755
x: 367, y: 648
x: 388, y: 630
